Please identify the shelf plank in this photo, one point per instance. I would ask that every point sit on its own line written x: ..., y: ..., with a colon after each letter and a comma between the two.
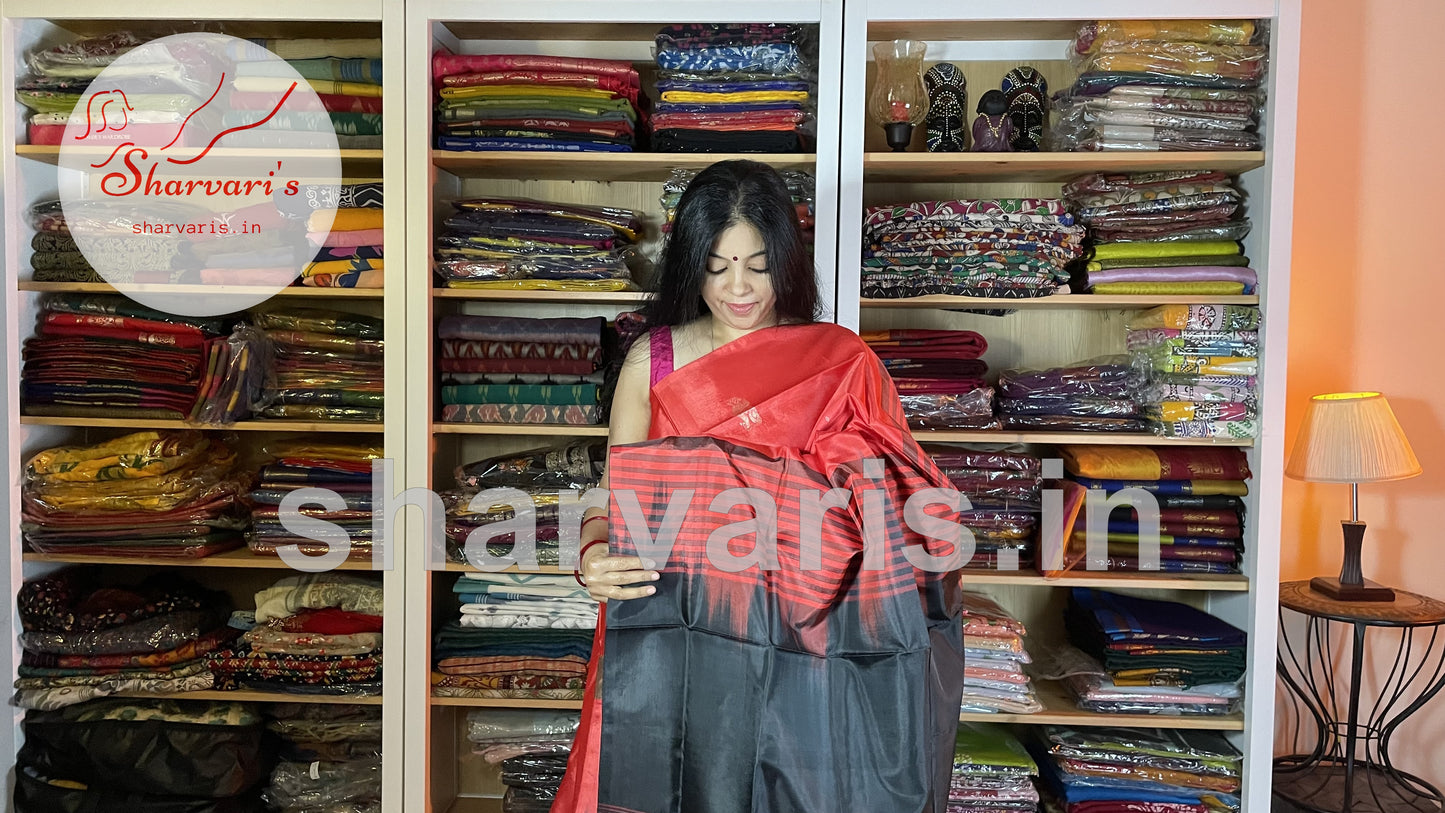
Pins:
x: 458, y: 567
x: 1055, y: 438
x: 352, y: 159
x: 239, y: 558
x: 584, y: 166
x: 1220, y: 582
x: 952, y: 167
x: 972, y: 30
x: 210, y: 290
x: 549, y: 297
x: 476, y: 804
x: 1059, y: 709
x: 505, y: 703
x: 240, y: 426
x: 1059, y: 302
x: 245, y: 696
x: 519, y: 429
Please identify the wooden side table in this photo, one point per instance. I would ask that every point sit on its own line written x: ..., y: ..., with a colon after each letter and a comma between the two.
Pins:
x: 1335, y: 777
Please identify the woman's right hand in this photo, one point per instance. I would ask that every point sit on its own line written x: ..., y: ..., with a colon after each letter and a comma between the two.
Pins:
x: 616, y: 577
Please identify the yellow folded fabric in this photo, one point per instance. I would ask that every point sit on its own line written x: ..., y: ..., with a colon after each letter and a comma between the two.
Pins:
x: 322, y: 450
x: 1167, y: 288
x: 1202, y: 248
x: 1112, y: 462
x: 341, y: 267
x: 1227, y: 32
x: 741, y: 96
x: 273, y: 84
x: 130, y: 457
x: 533, y: 91
x: 347, y: 219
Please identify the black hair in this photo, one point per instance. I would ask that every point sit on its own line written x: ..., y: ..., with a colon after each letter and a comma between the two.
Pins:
x: 723, y: 195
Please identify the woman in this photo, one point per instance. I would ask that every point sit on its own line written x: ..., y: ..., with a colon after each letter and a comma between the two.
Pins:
x: 774, y: 658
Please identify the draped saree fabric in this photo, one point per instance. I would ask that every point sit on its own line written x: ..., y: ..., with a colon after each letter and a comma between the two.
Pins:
x: 744, y: 690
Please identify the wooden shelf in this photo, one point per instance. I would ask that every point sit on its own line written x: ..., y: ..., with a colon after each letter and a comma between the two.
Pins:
x: 476, y: 804
x: 353, y: 160
x: 505, y: 703
x: 594, y: 166
x: 261, y: 697
x: 240, y: 557
x: 973, y: 30
x: 549, y: 297
x: 210, y: 290
x: 1055, y: 438
x: 1058, y: 302
x: 1220, y: 582
x: 441, y: 428
x: 1059, y: 709
x: 952, y: 167
x: 241, y: 426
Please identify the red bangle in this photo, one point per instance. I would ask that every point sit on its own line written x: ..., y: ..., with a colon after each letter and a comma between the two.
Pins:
x: 577, y: 571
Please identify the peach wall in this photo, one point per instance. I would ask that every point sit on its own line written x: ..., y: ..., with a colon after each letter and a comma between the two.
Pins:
x: 1368, y: 282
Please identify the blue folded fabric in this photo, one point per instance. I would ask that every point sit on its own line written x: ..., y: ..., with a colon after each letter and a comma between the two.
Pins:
x: 543, y: 145
x: 1130, y: 618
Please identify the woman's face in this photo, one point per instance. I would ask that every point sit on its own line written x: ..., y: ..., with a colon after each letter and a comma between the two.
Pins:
x: 738, y: 288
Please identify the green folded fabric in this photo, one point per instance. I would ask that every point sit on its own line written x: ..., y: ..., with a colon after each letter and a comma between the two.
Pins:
x: 1203, y: 248
x: 990, y: 745
x: 554, y: 394
x: 1232, y: 261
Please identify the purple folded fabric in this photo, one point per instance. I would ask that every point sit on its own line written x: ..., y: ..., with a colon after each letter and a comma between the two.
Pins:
x: 1183, y: 273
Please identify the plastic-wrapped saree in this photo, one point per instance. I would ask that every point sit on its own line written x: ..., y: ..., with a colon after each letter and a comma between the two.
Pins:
x: 830, y: 682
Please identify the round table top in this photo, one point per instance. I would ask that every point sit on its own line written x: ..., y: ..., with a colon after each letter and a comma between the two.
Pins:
x: 1407, y: 610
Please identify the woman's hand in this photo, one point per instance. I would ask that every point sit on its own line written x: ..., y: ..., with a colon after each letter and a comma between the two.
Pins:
x: 616, y: 577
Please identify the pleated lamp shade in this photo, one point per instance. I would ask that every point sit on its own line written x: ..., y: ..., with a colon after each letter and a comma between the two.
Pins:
x: 1351, y: 437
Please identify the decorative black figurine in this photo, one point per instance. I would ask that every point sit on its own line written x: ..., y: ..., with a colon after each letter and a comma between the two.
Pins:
x: 947, y: 107
x: 992, y: 130
x: 1027, y: 92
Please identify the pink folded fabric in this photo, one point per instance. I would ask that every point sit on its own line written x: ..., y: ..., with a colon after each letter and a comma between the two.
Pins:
x: 1182, y: 273
x: 359, y: 237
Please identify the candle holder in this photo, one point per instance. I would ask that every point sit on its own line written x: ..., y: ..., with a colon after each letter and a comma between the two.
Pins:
x: 898, y: 99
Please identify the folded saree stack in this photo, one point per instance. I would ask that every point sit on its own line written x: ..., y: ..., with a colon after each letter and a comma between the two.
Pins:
x: 939, y: 375
x: 1199, y: 491
x: 1129, y: 770
x: 1163, y: 85
x: 1172, y: 232
x: 344, y: 468
x: 530, y: 746
x: 994, y: 679
x: 1157, y: 657
x: 1201, y: 363
x: 1094, y: 396
x: 510, y: 244
x: 345, y: 227
x: 312, y: 634
x: 992, y: 772
x: 345, y: 75
x: 82, y: 640
x: 327, y: 365
x: 518, y: 636
x: 568, y: 469
x: 56, y: 257
x: 535, y: 102
x: 59, y: 75
x: 519, y: 370
x: 149, y: 494
x: 105, y: 356
x: 1003, y: 491
x: 1013, y: 248
x: 733, y: 88
x: 330, y: 758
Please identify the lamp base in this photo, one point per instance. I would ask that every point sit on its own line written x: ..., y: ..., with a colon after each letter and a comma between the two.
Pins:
x: 1369, y: 591
x: 899, y: 134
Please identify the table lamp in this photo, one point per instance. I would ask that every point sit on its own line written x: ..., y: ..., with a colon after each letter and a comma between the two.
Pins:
x: 1351, y: 437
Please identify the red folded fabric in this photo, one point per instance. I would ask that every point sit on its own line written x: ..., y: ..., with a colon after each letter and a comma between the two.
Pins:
x: 445, y: 64
x: 329, y: 621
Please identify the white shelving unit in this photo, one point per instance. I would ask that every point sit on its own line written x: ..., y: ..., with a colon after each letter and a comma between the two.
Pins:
x: 426, y: 767
x: 985, y: 41
x: 29, y: 174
